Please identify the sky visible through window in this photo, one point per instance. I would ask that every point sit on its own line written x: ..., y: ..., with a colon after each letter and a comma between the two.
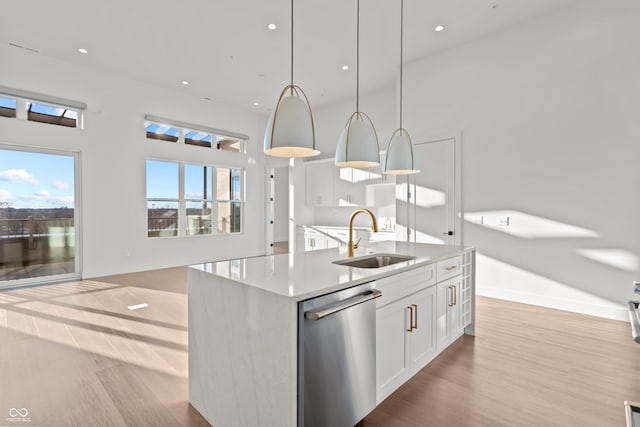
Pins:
x: 8, y: 103
x: 36, y: 180
x: 162, y: 129
x: 194, y: 182
x: 162, y: 180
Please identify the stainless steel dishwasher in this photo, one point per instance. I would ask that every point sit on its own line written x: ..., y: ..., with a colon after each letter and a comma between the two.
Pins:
x: 337, y: 357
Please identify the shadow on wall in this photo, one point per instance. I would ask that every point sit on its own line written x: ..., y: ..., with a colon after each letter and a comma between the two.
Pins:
x: 533, y: 259
x: 548, y: 262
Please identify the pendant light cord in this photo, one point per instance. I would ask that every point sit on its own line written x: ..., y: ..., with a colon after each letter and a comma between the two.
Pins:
x: 358, y: 58
x: 291, y: 47
x: 401, y: 38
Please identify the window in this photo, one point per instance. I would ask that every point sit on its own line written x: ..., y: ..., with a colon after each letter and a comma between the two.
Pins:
x: 180, y: 199
x: 228, y: 198
x: 188, y: 134
x: 7, y: 107
x: 41, y: 108
x: 228, y: 144
x: 38, y: 217
x: 199, y: 204
x: 163, y: 199
x: 193, y: 137
x: 60, y: 116
x: 162, y: 132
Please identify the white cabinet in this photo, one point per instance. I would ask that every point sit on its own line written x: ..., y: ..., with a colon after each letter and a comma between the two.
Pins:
x: 405, y: 331
x: 392, y: 358
x: 420, y: 313
x: 422, y: 336
x: 322, y: 238
x: 405, y: 339
x: 313, y: 240
x: 328, y: 185
x: 448, y: 321
x: 319, y: 183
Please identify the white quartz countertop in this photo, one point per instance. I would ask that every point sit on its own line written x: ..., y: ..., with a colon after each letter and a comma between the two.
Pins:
x: 304, y: 275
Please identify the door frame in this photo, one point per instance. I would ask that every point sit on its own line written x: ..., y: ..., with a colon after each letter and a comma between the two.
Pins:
x: 77, y: 212
x: 454, y: 201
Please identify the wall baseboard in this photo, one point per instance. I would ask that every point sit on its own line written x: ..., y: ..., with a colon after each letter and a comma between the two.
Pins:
x: 609, y: 311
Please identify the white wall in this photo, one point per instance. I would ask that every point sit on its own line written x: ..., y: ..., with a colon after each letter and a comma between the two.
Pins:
x: 548, y: 112
x: 114, y: 150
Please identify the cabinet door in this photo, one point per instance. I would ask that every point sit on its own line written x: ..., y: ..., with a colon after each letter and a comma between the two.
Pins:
x: 422, y: 338
x: 314, y: 242
x: 319, y: 184
x: 392, y: 359
x: 455, y: 313
x: 444, y: 300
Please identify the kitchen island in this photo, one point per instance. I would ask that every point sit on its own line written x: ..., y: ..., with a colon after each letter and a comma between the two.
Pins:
x: 243, y: 322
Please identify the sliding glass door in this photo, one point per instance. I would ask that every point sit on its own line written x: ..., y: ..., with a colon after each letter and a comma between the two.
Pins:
x: 38, y: 216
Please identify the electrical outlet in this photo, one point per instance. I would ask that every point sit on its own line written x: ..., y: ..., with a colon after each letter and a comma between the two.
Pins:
x: 503, y: 221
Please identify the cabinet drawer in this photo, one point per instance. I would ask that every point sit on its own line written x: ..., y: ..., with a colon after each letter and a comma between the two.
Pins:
x: 449, y: 268
x: 403, y: 284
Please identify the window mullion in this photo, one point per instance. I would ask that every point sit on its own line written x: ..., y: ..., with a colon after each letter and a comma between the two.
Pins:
x: 21, y: 108
x: 214, y: 200
x: 182, y: 204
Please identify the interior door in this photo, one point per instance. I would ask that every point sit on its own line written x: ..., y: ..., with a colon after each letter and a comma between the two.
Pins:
x: 428, y: 203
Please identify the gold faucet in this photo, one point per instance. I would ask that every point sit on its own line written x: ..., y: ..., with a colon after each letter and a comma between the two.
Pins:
x: 352, y: 246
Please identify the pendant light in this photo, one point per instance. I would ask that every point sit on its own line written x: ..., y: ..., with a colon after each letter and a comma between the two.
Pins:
x: 290, y: 129
x: 358, y: 144
x: 399, y: 158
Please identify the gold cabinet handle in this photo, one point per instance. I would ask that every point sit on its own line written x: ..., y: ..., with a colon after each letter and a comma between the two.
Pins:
x: 410, y: 319
x: 453, y: 267
x: 416, y: 316
x: 450, y: 304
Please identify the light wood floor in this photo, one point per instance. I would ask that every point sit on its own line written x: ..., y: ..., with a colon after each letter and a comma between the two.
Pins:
x: 74, y: 355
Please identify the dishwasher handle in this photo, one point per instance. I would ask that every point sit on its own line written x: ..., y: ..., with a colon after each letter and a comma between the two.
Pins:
x: 325, y: 311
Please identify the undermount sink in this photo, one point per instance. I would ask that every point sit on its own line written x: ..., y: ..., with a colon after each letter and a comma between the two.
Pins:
x: 374, y: 261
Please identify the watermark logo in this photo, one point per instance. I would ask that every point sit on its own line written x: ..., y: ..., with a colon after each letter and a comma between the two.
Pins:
x: 20, y: 415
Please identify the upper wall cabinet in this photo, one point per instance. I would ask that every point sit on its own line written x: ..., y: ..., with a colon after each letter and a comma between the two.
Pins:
x: 328, y: 185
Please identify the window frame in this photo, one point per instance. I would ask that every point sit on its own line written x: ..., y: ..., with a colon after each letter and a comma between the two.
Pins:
x: 25, y: 98
x: 78, y: 218
x: 184, y: 128
x: 182, y: 230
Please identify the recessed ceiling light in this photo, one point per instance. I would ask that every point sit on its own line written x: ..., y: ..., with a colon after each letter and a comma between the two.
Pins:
x: 345, y: 67
x: 83, y: 50
x: 439, y: 28
x: 272, y: 26
x: 255, y: 104
x: 184, y: 82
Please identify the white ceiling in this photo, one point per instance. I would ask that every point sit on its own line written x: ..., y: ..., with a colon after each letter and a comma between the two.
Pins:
x: 225, y: 51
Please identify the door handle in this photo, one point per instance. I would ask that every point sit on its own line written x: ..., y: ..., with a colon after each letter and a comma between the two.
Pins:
x: 450, y: 304
x: 321, y: 312
x: 416, y: 316
x: 410, y: 319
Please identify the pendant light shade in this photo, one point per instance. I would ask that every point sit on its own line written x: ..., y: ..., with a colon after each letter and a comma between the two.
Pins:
x: 290, y: 130
x: 399, y: 159
x: 358, y: 144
